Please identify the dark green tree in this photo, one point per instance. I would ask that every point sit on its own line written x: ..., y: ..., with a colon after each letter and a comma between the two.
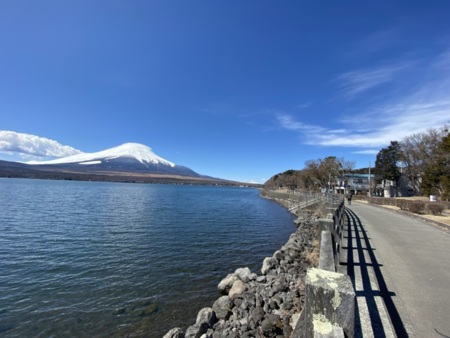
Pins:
x: 386, y: 164
x: 436, y: 180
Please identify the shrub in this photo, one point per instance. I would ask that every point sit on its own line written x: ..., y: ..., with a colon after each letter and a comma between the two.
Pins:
x: 382, y: 200
x: 402, y: 204
x: 416, y: 207
x: 435, y: 208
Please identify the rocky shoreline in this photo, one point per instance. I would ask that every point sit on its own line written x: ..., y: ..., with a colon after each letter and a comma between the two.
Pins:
x: 266, y: 304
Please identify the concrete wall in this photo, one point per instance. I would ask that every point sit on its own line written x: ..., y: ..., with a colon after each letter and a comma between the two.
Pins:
x: 330, y: 297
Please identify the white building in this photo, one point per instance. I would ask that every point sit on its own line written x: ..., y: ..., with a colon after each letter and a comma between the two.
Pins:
x: 356, y: 183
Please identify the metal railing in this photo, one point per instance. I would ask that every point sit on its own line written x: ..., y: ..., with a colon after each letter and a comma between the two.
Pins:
x: 296, y: 200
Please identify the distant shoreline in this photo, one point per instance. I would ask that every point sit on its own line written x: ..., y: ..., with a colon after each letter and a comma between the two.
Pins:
x: 18, y: 170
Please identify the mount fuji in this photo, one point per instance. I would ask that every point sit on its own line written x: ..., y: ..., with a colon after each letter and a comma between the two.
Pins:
x: 126, y: 158
x: 129, y: 162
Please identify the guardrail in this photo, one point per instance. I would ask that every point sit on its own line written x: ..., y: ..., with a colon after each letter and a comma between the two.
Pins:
x: 333, y: 227
x: 329, y: 309
x: 330, y: 296
x: 300, y: 199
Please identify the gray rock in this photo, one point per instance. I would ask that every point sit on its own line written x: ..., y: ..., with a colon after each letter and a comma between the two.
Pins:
x: 222, y: 307
x: 195, y: 331
x: 278, y: 255
x: 238, y: 300
x: 269, y: 325
x: 257, y: 314
x: 243, y: 274
x: 206, y: 317
x: 261, y: 279
x: 237, y: 288
x: 175, y: 333
x: 226, y: 283
x: 249, y: 298
x: 268, y: 264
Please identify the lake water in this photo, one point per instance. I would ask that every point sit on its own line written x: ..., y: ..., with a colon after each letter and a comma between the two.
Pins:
x: 90, y: 259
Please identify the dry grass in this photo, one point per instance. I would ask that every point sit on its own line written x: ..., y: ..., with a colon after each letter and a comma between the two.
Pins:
x: 444, y: 218
x: 312, y: 257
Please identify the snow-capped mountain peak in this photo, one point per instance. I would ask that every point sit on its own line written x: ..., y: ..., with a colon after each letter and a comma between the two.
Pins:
x: 136, y: 151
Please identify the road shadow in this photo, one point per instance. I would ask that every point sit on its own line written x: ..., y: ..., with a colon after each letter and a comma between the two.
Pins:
x: 364, y: 270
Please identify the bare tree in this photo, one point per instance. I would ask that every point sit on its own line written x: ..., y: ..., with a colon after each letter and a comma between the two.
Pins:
x: 317, y: 174
x: 417, y: 153
x: 325, y: 171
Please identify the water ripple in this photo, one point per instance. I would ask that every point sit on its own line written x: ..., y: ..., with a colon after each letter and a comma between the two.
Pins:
x: 102, y: 259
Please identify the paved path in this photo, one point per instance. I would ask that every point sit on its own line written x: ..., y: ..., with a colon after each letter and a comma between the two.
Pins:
x: 400, y: 268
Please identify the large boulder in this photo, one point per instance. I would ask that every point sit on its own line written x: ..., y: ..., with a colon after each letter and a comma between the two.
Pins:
x: 268, y: 264
x: 222, y: 307
x: 226, y: 283
x: 237, y: 288
x: 245, y: 274
x: 206, y: 319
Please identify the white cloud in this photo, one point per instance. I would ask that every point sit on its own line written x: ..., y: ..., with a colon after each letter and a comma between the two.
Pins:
x: 377, y: 127
x: 31, y: 146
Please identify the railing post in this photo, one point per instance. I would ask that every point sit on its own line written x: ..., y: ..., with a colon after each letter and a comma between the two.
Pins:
x: 326, y: 257
x: 329, y: 304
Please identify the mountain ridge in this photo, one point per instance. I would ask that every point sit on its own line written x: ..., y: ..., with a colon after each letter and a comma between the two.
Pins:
x: 125, y: 158
x: 129, y: 162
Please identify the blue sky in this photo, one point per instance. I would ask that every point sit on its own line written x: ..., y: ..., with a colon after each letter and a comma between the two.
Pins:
x: 233, y: 89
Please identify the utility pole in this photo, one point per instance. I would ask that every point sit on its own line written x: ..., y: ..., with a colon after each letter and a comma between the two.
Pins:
x: 370, y: 185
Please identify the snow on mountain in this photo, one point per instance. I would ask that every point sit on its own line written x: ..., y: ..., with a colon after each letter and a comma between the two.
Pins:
x: 136, y: 151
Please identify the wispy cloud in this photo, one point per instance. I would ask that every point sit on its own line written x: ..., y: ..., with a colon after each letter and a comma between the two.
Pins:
x: 376, y: 128
x: 424, y: 106
x: 303, y: 105
x: 31, y: 146
x: 356, y: 82
x: 442, y: 61
x: 288, y: 122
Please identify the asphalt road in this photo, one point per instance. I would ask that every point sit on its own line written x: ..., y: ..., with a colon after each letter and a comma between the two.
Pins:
x: 414, y: 266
